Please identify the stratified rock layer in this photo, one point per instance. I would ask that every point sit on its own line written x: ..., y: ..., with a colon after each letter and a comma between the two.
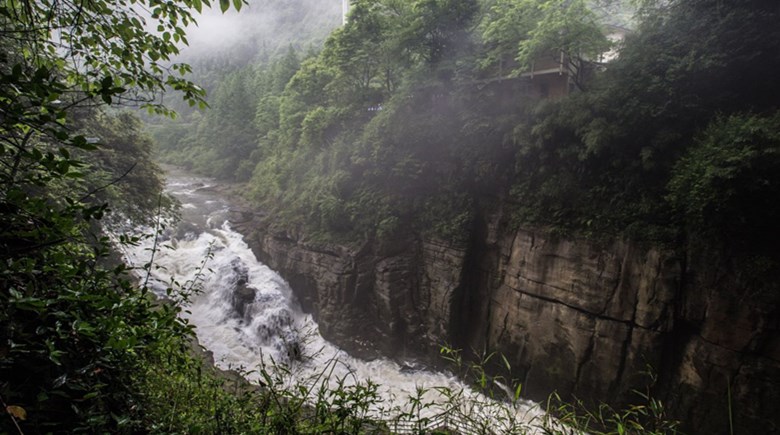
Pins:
x: 570, y: 315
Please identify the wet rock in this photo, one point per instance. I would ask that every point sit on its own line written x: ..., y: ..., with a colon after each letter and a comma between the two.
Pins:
x: 242, y: 295
x: 186, y: 231
x: 241, y: 298
x: 578, y: 318
x: 570, y: 315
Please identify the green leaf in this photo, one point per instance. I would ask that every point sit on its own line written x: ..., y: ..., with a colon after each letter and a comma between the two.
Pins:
x: 237, y: 4
x: 506, y: 362
x: 224, y: 5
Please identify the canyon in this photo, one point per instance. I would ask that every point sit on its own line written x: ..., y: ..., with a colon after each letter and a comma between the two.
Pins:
x: 598, y: 321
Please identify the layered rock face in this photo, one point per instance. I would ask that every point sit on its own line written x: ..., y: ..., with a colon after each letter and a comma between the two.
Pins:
x: 570, y: 315
x: 584, y: 319
x: 372, y: 299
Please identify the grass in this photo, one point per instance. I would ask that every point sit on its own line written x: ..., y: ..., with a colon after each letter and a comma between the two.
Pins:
x: 191, y: 396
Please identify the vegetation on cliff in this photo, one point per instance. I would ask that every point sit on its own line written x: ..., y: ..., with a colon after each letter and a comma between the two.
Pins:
x: 413, y: 111
x: 606, y: 158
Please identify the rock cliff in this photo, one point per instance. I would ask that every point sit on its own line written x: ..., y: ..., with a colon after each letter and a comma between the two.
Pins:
x: 572, y: 316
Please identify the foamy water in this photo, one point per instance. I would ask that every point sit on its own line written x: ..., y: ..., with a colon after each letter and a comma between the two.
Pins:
x: 264, y: 326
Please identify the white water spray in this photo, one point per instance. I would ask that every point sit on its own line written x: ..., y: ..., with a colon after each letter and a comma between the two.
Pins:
x: 247, y: 316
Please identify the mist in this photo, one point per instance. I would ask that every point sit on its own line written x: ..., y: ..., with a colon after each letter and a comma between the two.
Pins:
x: 268, y: 24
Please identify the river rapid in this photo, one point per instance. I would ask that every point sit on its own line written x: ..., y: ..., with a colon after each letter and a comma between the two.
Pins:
x: 248, y: 317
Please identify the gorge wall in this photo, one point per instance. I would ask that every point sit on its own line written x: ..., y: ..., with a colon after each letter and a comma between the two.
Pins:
x: 570, y: 315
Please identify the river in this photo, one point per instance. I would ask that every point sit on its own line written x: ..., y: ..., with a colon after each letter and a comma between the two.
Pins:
x: 248, y: 317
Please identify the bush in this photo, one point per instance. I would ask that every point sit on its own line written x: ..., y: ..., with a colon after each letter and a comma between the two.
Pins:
x: 727, y: 185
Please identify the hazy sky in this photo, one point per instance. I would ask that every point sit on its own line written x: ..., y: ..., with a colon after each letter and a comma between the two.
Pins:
x: 273, y: 21
x: 217, y: 29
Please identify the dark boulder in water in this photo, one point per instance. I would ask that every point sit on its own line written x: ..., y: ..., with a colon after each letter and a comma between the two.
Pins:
x: 241, y: 298
x: 242, y: 295
x: 186, y: 231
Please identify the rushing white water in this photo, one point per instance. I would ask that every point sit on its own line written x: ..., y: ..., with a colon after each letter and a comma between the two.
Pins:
x: 247, y: 316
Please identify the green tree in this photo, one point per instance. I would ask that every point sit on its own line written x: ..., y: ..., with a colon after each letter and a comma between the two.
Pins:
x: 520, y: 33
x: 227, y: 135
x: 503, y: 25
x: 306, y: 91
x: 103, y: 48
x: 727, y: 184
x: 74, y: 331
x: 356, y: 48
x: 120, y: 171
x: 567, y: 32
x: 603, y: 158
x: 438, y: 28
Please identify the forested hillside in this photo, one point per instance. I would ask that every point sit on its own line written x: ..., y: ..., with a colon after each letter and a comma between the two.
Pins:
x: 415, y: 109
x: 328, y: 121
x: 242, y: 58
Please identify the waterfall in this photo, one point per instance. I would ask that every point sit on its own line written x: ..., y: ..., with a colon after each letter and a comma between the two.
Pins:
x: 248, y: 317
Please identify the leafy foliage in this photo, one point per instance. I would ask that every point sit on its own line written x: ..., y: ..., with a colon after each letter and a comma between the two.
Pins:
x: 601, y: 160
x: 254, y: 70
x: 569, y: 29
x: 74, y: 335
x: 74, y: 327
x: 104, y: 49
x: 726, y: 186
x: 520, y: 33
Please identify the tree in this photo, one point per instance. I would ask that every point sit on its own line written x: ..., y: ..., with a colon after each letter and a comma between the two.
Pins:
x: 726, y: 186
x: 227, y: 134
x: 438, y: 27
x: 527, y: 31
x: 120, y: 172
x: 567, y: 32
x: 74, y: 330
x: 504, y: 24
x: 355, y: 49
x: 104, y: 49
x: 604, y: 157
x: 367, y: 51
x: 306, y: 91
